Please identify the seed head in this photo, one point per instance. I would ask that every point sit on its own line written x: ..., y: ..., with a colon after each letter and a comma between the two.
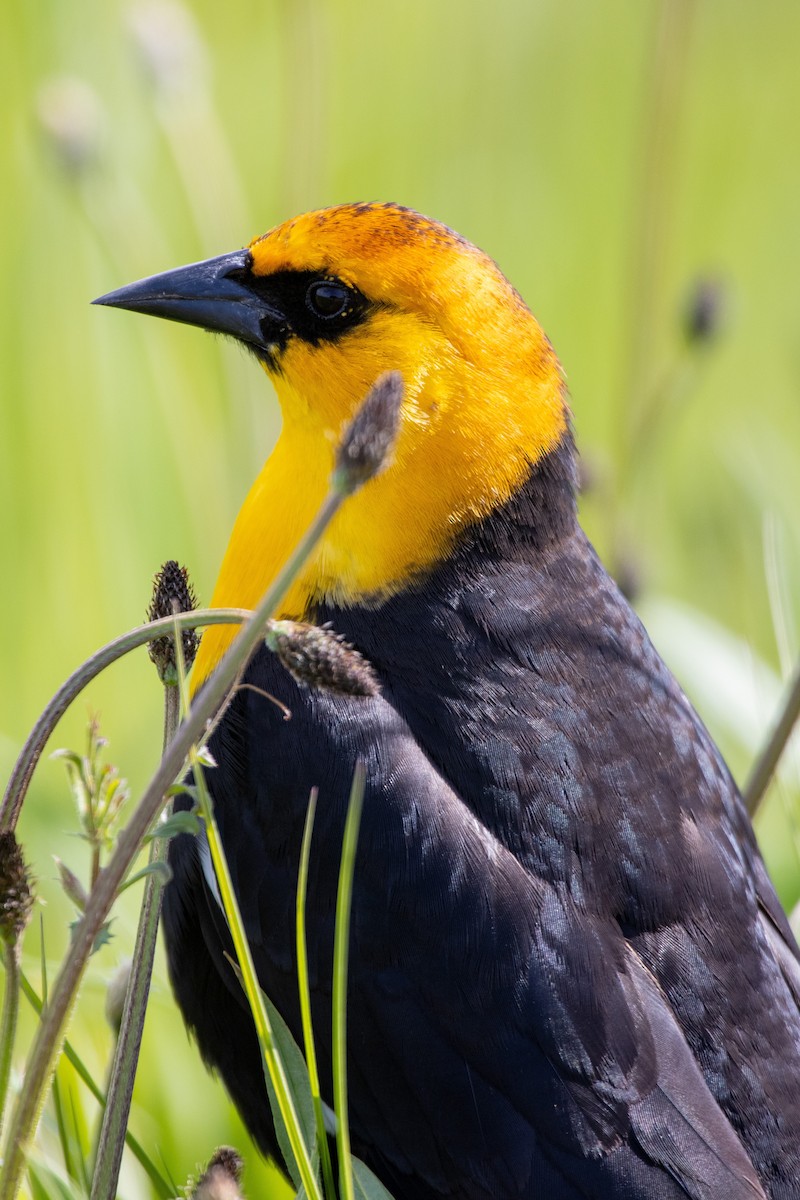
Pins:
x: 369, y: 439
x: 16, y: 896
x: 317, y: 657
x: 704, y: 316
x: 170, y: 46
x: 172, y: 593
x: 72, y: 121
x: 221, y: 1178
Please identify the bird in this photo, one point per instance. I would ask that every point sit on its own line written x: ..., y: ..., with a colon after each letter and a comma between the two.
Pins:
x: 570, y: 975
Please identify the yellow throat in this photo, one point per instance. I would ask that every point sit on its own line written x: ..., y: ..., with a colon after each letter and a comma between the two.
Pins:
x: 484, y: 399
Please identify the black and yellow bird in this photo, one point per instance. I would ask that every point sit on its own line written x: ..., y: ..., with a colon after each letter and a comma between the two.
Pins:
x: 570, y: 975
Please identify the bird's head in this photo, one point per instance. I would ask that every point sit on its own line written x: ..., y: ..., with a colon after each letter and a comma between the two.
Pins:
x: 327, y: 302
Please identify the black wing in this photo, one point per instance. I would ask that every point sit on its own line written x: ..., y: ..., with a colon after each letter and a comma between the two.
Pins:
x: 502, y: 1042
x: 536, y: 693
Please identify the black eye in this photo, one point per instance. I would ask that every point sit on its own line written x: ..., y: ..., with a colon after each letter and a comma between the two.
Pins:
x: 327, y: 298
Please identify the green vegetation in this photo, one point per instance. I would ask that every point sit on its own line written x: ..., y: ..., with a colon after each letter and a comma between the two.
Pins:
x: 621, y: 162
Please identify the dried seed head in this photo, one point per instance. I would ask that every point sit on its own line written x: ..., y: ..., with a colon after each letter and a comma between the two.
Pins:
x: 72, y: 120
x: 704, y: 315
x: 369, y: 438
x: 170, y: 46
x: 221, y: 1178
x: 172, y: 593
x: 16, y: 896
x: 319, y: 658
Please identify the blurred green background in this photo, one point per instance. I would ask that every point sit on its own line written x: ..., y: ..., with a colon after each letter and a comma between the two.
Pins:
x: 614, y: 156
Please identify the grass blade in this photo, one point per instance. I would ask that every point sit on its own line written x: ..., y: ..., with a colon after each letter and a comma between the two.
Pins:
x: 341, y: 946
x: 305, y: 998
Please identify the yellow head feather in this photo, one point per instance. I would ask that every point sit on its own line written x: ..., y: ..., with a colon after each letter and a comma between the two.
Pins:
x: 484, y: 399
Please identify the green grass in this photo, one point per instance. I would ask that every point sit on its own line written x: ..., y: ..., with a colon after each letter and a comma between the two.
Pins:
x: 124, y: 442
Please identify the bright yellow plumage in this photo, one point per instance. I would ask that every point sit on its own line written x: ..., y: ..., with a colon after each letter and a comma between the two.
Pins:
x: 462, y: 338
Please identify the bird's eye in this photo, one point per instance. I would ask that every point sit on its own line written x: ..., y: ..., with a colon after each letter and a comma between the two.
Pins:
x: 327, y: 298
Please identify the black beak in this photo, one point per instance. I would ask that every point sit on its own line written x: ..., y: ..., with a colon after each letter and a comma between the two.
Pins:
x: 213, y: 294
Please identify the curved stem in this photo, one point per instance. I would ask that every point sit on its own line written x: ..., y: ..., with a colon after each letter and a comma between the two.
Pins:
x: 37, y: 739
x: 50, y: 1035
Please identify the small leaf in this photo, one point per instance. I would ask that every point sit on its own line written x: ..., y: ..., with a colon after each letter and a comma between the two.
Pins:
x: 70, y: 756
x: 294, y: 1066
x: 161, y: 869
x: 181, y: 789
x: 179, y: 822
x: 103, y: 938
x: 367, y: 1186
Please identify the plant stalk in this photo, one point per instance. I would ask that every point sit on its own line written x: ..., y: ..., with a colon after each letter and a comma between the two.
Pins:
x: 252, y: 989
x: 50, y: 1035
x: 341, y: 946
x: 649, y: 246
x: 163, y: 1189
x: 767, y: 762
x: 305, y: 998
x: 31, y: 752
x: 272, y: 1064
x: 129, y: 1039
x: 8, y: 1022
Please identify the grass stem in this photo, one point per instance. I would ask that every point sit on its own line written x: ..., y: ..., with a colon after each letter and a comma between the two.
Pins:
x: 163, y: 1188
x: 305, y: 998
x: 47, y: 1043
x: 252, y: 989
x: 126, y: 1052
x: 8, y: 1021
x: 767, y: 762
x: 341, y: 946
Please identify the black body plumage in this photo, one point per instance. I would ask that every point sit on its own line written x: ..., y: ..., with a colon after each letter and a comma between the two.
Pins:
x: 570, y: 975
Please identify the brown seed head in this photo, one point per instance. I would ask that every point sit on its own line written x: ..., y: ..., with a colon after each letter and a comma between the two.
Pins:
x: 705, y: 312
x: 172, y: 593
x: 369, y: 438
x: 221, y: 1178
x: 72, y: 120
x: 16, y: 896
x: 317, y: 657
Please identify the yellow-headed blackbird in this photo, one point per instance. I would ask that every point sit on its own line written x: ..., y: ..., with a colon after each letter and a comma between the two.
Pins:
x: 570, y: 975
